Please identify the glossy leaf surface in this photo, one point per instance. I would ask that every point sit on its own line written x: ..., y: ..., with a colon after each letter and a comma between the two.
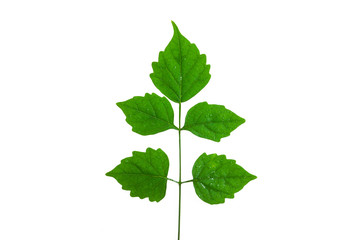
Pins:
x: 211, y: 121
x: 181, y: 72
x: 144, y: 174
x: 217, y: 178
x: 148, y: 115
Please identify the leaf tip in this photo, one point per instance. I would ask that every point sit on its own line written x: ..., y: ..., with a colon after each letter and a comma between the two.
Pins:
x: 252, y: 177
x: 108, y: 174
x: 176, y: 29
x: 120, y: 105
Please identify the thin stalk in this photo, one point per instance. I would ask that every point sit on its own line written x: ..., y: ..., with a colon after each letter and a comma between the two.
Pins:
x: 187, y: 181
x: 172, y: 180
x: 179, y: 171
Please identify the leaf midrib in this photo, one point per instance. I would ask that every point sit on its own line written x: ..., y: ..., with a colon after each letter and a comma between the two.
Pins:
x: 180, y: 65
x: 203, y: 123
x: 203, y: 178
x: 148, y: 175
x: 136, y: 109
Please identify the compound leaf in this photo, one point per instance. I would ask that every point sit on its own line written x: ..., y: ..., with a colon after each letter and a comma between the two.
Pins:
x: 181, y: 71
x: 211, y: 121
x: 144, y: 174
x: 148, y: 115
x: 217, y: 178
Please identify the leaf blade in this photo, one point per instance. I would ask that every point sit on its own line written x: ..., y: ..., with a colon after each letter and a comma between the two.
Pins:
x: 216, y: 178
x: 148, y: 115
x: 181, y: 71
x: 211, y: 121
x: 144, y: 174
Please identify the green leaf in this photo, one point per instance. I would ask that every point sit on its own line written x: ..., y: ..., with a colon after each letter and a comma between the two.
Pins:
x: 181, y: 71
x: 144, y: 174
x: 148, y: 115
x: 217, y: 178
x: 211, y: 121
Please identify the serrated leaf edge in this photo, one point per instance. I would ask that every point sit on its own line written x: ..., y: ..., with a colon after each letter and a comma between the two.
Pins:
x: 186, y: 127
x: 231, y: 195
x: 121, y: 106
x: 155, y: 176
x: 179, y: 99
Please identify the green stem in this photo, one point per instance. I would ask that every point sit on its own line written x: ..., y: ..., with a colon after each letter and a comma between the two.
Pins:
x: 179, y: 171
x: 187, y: 181
x: 172, y: 180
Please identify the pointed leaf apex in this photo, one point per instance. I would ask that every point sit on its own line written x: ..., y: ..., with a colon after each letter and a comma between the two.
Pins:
x: 176, y: 29
x: 148, y: 115
x: 211, y: 121
x: 181, y: 72
x: 144, y: 174
x: 253, y: 177
x: 217, y: 178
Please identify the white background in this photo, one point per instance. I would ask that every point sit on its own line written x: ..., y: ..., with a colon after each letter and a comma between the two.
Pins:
x: 290, y: 68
